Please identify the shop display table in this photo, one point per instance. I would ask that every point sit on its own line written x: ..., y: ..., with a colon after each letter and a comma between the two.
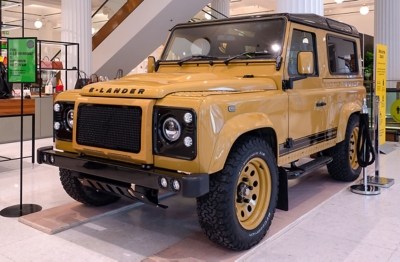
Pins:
x: 12, y: 108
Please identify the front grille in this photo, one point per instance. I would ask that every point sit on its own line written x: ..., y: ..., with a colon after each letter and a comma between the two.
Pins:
x: 109, y: 126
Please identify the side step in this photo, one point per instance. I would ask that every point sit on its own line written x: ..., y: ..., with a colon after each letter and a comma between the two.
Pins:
x: 293, y: 173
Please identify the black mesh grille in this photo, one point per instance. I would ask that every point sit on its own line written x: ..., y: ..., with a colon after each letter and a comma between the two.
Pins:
x: 109, y: 126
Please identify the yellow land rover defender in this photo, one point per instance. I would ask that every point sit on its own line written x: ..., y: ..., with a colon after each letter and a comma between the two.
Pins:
x: 222, y: 116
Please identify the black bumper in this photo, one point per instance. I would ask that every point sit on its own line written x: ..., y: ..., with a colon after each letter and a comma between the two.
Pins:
x: 192, y: 185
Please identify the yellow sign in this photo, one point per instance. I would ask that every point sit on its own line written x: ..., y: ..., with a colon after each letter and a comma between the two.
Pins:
x: 395, y: 110
x: 380, y: 77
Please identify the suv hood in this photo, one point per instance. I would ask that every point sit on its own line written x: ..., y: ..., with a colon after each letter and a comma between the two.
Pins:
x: 158, y: 85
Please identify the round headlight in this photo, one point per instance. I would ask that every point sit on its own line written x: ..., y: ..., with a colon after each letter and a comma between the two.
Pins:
x: 57, y: 125
x: 188, y: 118
x: 171, y: 129
x: 57, y: 107
x: 70, y: 118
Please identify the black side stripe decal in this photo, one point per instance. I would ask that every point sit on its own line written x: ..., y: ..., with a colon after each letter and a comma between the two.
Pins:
x: 307, y: 141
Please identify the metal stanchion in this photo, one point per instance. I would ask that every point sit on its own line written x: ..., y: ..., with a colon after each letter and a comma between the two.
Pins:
x: 362, y: 143
x: 377, y: 180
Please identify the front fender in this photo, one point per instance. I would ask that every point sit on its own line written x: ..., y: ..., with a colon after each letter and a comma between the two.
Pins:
x: 345, y: 112
x: 230, y: 132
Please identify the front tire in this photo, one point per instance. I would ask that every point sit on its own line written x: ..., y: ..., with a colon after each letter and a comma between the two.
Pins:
x: 344, y: 166
x: 83, y: 194
x: 239, y: 208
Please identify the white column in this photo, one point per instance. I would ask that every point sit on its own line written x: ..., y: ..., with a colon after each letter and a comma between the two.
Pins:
x: 76, y: 27
x: 221, y: 6
x: 300, y: 6
x: 387, y: 19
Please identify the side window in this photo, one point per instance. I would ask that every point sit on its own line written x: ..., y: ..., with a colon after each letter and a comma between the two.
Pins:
x: 301, y: 41
x: 342, y: 56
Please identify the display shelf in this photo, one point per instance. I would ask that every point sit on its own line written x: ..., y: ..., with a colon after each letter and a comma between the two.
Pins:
x: 66, y: 67
x: 61, y: 69
x: 10, y: 3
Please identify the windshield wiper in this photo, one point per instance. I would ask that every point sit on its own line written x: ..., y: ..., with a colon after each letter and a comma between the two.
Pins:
x: 180, y: 62
x: 248, y: 54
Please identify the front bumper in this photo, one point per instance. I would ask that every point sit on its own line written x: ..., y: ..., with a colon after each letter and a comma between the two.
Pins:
x: 192, y: 185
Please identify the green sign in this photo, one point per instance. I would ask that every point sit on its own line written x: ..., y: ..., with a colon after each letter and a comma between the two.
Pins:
x: 21, y: 66
x: 5, y: 32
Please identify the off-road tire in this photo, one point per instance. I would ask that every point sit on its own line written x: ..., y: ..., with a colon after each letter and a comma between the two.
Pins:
x: 217, y: 210
x: 83, y: 194
x: 340, y: 168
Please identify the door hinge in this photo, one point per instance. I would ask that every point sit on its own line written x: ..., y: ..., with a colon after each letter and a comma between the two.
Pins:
x: 289, y: 143
x: 285, y: 85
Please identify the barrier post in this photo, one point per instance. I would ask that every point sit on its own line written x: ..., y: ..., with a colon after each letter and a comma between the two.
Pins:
x: 377, y: 180
x: 364, y: 143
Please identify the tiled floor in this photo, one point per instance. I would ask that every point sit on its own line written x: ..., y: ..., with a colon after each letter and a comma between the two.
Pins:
x: 345, y: 227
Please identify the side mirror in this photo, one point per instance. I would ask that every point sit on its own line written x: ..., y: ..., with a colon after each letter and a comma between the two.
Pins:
x: 305, y: 63
x: 151, y: 64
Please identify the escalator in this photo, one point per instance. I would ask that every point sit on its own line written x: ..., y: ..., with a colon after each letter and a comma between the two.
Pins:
x: 135, y: 30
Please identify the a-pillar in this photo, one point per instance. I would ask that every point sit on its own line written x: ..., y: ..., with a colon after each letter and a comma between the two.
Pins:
x: 386, y: 15
x: 300, y: 6
x: 222, y: 6
x: 76, y: 27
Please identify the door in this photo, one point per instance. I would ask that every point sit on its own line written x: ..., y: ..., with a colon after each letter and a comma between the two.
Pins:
x: 307, y: 99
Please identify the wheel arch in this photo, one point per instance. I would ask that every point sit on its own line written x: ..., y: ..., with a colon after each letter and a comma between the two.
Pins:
x: 345, y: 113
x: 234, y: 130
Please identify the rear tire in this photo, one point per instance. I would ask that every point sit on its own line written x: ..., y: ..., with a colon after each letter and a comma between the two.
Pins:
x: 344, y: 166
x: 239, y: 208
x: 83, y: 194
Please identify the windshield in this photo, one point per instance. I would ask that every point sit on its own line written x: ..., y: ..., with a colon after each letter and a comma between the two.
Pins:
x: 222, y: 41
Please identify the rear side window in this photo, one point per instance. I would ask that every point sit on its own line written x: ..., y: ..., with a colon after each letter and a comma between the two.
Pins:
x: 342, y: 56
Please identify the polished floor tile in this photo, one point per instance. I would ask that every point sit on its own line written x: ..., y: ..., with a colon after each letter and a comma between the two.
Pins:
x: 302, y: 245
x: 325, y: 223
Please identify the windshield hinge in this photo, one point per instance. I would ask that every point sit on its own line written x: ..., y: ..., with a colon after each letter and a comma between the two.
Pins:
x: 278, y: 63
x: 288, y: 143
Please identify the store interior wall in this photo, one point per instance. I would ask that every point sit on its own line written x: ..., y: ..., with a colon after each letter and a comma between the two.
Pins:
x: 142, y: 32
x: 51, y: 31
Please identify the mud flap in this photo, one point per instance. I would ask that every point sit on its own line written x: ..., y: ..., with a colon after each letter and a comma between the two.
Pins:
x: 283, y: 196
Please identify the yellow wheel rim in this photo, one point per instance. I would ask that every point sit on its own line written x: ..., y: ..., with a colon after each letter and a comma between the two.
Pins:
x: 353, y: 150
x: 253, y: 193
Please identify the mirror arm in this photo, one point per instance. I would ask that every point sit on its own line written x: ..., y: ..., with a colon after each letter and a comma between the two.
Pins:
x: 288, y: 84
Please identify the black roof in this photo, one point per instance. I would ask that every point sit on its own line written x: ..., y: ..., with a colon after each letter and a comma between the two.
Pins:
x: 312, y: 20
x: 323, y: 22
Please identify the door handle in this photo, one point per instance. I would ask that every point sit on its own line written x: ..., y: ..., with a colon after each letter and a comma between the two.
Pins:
x: 321, y: 104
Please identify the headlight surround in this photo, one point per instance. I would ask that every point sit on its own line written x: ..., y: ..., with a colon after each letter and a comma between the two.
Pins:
x: 171, y: 126
x: 64, y: 114
x: 171, y: 129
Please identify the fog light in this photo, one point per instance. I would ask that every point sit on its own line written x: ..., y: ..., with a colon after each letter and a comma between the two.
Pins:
x: 163, y: 182
x: 57, y: 107
x: 52, y: 159
x: 57, y: 125
x: 188, y: 141
x: 44, y: 158
x: 175, y: 185
x: 188, y: 118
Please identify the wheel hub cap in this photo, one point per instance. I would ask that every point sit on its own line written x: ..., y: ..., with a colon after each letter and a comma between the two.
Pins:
x: 353, y: 149
x: 253, y: 193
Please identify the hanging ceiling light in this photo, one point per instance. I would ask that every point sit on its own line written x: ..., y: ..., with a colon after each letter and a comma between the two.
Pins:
x: 339, y: 1
x: 305, y: 39
x: 38, y: 23
x: 364, y: 10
